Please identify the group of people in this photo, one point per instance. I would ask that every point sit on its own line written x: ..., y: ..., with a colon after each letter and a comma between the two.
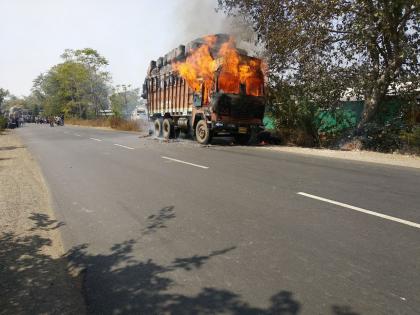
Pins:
x: 51, y: 120
x: 58, y: 120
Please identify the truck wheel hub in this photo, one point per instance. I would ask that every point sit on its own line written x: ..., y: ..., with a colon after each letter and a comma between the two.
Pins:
x: 202, y: 132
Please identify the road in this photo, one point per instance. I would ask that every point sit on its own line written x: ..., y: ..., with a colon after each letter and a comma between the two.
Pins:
x: 180, y: 228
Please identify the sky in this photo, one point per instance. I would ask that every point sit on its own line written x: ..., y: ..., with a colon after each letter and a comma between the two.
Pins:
x: 129, y: 33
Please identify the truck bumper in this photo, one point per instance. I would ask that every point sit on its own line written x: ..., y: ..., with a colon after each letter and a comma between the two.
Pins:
x: 220, y: 128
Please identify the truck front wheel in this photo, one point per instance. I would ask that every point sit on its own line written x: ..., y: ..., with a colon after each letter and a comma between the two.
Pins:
x: 202, y: 132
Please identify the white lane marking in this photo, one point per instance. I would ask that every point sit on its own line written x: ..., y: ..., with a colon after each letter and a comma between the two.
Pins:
x: 95, y: 139
x: 188, y: 163
x: 123, y: 146
x: 376, y: 214
x: 77, y: 135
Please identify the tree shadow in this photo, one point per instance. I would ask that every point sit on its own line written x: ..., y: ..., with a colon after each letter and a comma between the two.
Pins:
x: 196, y: 261
x: 43, y: 222
x: 8, y: 148
x: 115, y: 282
x: 118, y: 283
x: 158, y: 221
x: 33, y: 282
x: 343, y: 310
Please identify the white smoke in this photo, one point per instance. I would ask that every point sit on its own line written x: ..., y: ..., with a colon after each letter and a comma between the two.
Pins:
x: 197, y: 18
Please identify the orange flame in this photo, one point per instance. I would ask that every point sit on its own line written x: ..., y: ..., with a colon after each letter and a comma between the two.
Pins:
x: 234, y: 70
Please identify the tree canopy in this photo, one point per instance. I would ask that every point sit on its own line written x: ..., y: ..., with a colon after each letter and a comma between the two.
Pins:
x: 3, y: 94
x: 79, y: 86
x: 124, y: 99
x: 322, y: 49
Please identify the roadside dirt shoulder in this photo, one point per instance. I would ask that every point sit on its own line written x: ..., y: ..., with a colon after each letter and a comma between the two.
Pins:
x: 363, y: 156
x: 33, y: 271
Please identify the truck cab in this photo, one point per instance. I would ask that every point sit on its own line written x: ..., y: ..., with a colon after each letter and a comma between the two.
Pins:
x: 230, y: 108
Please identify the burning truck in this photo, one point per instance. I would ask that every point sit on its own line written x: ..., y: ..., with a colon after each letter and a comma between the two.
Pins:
x: 207, y: 88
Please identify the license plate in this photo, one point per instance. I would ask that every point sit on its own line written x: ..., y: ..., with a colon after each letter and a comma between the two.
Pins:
x: 242, y: 130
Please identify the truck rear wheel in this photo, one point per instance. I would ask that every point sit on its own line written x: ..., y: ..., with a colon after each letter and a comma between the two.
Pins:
x: 202, y: 132
x: 168, y: 128
x: 158, y: 127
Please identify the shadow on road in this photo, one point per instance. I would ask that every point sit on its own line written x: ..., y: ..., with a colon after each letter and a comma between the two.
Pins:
x: 128, y: 286
x: 158, y: 221
x: 117, y: 282
x: 343, y: 310
x: 8, y: 148
x: 43, y: 222
x: 32, y: 281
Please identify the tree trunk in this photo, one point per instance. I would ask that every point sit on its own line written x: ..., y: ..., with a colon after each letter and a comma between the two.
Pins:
x: 369, y: 110
x: 372, y: 100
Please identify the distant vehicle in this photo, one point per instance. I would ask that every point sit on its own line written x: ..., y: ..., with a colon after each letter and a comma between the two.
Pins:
x: 207, y: 88
x: 59, y: 120
x: 106, y: 112
x: 12, y: 123
x: 139, y: 112
x: 14, y: 116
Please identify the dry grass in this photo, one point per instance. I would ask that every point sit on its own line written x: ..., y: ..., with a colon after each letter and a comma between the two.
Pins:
x: 110, y: 122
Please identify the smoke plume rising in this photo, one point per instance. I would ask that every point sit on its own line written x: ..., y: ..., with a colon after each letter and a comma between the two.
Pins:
x: 198, y: 18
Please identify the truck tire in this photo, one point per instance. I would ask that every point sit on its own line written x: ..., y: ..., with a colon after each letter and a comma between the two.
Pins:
x: 158, y: 127
x: 168, y: 128
x: 242, y: 139
x: 203, y: 132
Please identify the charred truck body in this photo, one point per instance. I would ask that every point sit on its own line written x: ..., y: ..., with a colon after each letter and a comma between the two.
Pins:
x: 206, y: 88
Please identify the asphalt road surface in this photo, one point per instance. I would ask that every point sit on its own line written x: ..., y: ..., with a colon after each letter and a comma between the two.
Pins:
x: 180, y: 228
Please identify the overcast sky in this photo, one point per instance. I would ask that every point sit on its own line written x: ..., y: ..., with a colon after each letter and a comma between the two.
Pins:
x: 129, y: 33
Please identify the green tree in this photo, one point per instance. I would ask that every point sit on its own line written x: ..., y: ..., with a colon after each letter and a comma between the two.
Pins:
x: 98, y: 77
x: 63, y: 89
x: 13, y: 101
x: 327, y: 47
x: 3, y: 94
x: 124, y: 99
x: 77, y: 87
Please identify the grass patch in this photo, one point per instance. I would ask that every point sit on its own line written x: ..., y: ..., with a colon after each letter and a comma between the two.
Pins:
x: 3, y: 123
x: 110, y: 122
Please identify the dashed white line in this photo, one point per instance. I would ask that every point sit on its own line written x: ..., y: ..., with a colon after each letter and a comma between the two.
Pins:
x: 123, y: 146
x: 95, y: 139
x: 376, y: 214
x: 183, y: 162
x: 77, y: 135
